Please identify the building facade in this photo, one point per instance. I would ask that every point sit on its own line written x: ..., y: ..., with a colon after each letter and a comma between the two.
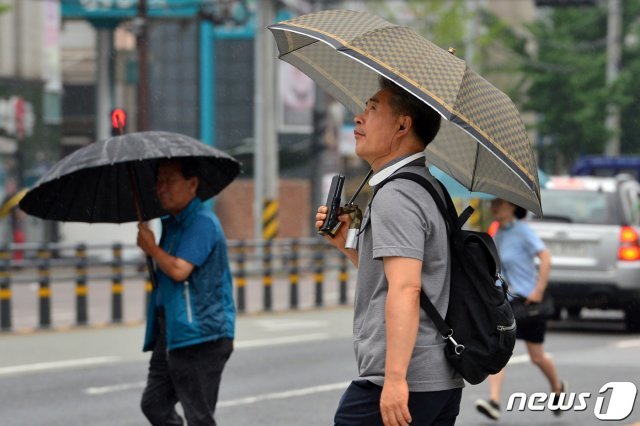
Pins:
x: 30, y: 105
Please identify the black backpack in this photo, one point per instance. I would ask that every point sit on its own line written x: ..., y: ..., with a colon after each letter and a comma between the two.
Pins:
x: 479, y: 324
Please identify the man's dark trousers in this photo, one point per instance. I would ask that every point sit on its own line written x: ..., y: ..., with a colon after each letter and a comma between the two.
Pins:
x: 190, y: 375
x: 360, y: 406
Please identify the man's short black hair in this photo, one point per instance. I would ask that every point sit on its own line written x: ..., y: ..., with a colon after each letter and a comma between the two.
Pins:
x: 426, y: 121
x: 188, y: 165
x: 520, y: 212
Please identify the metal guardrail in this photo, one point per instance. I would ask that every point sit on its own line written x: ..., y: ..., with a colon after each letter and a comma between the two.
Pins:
x: 63, y: 262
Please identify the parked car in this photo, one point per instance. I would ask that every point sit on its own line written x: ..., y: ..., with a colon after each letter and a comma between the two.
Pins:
x: 591, y: 226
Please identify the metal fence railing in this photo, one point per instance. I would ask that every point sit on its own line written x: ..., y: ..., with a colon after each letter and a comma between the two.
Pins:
x: 269, y: 275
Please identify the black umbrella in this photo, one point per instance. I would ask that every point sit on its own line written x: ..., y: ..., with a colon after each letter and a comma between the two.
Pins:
x: 113, y: 181
x: 101, y: 182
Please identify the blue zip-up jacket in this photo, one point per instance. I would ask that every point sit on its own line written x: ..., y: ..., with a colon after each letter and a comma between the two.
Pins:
x: 200, y: 308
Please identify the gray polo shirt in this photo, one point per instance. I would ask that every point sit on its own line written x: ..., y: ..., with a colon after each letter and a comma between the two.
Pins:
x: 403, y: 220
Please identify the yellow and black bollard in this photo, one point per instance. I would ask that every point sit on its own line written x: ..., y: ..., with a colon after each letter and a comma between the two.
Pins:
x: 82, y: 291
x: 148, y: 287
x: 270, y: 227
x: 344, y: 279
x: 318, y: 273
x: 270, y: 224
x: 241, y: 277
x: 44, y: 281
x: 293, y: 275
x: 267, y: 275
x: 5, y: 289
x: 116, y: 284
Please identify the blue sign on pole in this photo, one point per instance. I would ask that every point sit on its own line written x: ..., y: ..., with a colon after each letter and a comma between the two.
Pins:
x: 123, y: 9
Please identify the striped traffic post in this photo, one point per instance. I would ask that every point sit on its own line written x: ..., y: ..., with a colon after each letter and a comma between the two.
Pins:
x: 267, y: 276
x: 344, y: 279
x: 5, y: 289
x: 44, y: 285
x: 148, y: 288
x: 116, y: 284
x: 293, y: 275
x: 270, y: 223
x: 241, y: 277
x: 270, y: 227
x: 82, y: 314
x: 318, y: 273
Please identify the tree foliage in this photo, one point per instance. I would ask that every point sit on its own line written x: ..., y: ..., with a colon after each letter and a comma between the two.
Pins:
x: 567, y: 88
x: 555, y: 69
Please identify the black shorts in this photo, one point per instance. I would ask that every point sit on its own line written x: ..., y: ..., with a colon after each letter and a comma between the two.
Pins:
x: 531, y: 330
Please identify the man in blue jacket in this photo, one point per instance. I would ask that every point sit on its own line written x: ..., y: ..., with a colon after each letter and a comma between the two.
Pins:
x: 191, y: 315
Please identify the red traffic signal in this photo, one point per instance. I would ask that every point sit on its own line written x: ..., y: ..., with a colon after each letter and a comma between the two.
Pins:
x: 118, y: 121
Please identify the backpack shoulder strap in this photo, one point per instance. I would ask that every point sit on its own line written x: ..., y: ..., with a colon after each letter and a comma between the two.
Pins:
x: 449, y: 216
x: 451, y: 220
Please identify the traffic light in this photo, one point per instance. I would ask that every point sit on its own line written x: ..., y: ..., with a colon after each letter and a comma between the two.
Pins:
x: 118, y: 121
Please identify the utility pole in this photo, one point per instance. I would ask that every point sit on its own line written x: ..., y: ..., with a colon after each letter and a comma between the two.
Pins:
x: 614, y: 53
x: 472, y: 33
x: 265, y: 140
x: 104, y: 78
x: 318, y: 147
x: 142, y: 42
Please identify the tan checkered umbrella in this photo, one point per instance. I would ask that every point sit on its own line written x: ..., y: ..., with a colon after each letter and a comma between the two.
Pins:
x: 483, y: 144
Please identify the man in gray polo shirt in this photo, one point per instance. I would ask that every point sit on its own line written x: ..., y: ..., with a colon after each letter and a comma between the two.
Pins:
x: 402, y: 249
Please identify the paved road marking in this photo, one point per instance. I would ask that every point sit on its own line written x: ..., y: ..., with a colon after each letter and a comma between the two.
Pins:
x: 623, y: 344
x: 55, y: 365
x: 290, y: 324
x: 283, y: 340
x: 84, y: 362
x: 254, y: 343
x: 99, y: 390
x: 284, y: 395
x: 519, y: 359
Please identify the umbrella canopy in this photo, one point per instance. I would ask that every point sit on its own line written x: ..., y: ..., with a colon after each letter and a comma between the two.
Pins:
x: 93, y: 183
x: 483, y: 144
x: 457, y: 190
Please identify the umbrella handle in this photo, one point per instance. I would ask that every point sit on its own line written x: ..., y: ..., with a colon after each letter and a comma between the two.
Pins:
x: 360, y: 187
x: 136, y: 203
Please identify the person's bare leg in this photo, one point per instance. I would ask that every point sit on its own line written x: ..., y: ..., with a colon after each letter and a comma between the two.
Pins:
x: 491, y: 407
x: 495, y: 385
x: 545, y: 364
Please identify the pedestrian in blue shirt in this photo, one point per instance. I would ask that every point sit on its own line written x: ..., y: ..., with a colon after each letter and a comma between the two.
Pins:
x: 191, y: 313
x: 518, y: 246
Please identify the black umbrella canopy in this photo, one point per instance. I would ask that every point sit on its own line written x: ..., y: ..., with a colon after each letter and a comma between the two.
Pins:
x: 93, y: 184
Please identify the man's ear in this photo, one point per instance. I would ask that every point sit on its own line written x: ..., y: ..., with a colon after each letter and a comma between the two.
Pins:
x: 405, y: 123
x: 194, y: 182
